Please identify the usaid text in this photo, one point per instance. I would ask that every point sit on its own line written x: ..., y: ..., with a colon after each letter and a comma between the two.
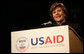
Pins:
x: 41, y: 41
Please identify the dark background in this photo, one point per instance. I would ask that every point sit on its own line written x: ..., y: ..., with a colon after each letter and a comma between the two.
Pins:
x: 22, y: 15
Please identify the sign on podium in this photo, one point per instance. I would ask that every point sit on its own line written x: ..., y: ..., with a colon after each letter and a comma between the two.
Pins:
x: 42, y: 40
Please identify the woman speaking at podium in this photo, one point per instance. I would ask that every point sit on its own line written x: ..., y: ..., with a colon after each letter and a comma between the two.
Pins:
x: 59, y: 15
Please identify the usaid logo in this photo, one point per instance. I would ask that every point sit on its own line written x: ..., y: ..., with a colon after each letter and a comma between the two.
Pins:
x: 22, y: 44
x: 41, y: 41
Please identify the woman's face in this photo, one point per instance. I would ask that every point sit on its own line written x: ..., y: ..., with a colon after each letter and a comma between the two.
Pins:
x: 58, y: 14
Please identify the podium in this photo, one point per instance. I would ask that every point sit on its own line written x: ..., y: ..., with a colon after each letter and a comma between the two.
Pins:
x: 76, y: 44
x: 58, y: 39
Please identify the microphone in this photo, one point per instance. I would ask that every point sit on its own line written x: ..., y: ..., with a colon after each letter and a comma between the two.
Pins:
x: 47, y: 23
